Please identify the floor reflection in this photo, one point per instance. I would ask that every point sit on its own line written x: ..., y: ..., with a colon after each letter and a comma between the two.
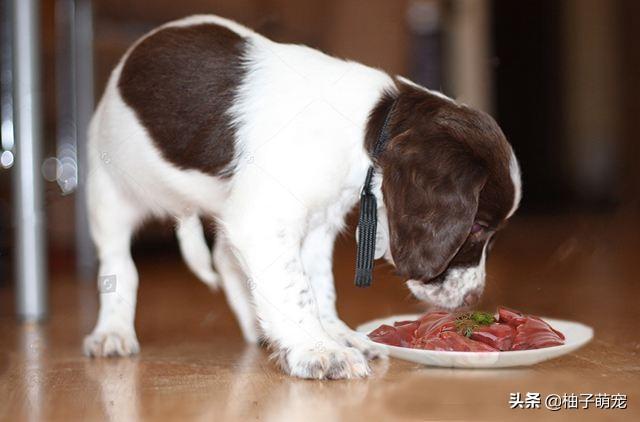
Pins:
x: 33, y: 343
x: 119, y: 386
x: 292, y: 399
x: 459, y: 373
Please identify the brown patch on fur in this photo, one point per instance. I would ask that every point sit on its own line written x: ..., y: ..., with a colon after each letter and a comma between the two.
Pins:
x: 445, y: 166
x: 181, y: 82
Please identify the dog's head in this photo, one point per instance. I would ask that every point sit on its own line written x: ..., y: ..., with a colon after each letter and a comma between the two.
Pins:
x: 450, y: 180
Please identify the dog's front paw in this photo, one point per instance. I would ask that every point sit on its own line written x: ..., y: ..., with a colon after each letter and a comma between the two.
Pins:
x: 320, y: 361
x: 111, y: 343
x: 341, y: 333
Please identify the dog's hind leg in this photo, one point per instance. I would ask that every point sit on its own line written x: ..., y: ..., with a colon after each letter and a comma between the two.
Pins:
x: 112, y: 219
x: 237, y: 287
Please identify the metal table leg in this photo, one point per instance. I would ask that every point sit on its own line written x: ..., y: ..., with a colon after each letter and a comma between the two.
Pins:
x: 28, y: 212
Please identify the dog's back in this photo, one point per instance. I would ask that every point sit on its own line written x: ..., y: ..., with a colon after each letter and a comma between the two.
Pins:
x: 195, y: 101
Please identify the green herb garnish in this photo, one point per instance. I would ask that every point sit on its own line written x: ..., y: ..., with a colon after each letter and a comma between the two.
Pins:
x: 469, y: 321
x: 482, y: 318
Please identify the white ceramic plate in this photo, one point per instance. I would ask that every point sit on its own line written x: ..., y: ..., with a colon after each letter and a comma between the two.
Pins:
x: 576, y: 336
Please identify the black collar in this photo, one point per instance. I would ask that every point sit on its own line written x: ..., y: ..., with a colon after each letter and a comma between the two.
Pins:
x: 368, y: 220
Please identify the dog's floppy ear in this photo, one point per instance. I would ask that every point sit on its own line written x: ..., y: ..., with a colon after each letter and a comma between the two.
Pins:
x: 431, y: 189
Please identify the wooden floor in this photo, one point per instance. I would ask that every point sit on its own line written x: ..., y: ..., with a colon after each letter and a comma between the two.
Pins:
x: 194, y: 365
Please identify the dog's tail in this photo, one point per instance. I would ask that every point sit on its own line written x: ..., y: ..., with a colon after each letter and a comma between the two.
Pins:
x: 195, y: 251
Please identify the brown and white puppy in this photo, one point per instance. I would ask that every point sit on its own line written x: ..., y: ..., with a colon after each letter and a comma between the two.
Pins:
x: 204, y: 117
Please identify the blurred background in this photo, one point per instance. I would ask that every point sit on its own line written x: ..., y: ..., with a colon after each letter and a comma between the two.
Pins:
x: 561, y: 78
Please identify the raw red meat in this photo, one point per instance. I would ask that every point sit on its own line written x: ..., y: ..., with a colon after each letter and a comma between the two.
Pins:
x: 434, y: 323
x: 452, y: 342
x: 511, y: 317
x: 406, y: 330
x: 470, y: 332
x: 499, y: 336
x: 534, y: 333
x: 386, y: 334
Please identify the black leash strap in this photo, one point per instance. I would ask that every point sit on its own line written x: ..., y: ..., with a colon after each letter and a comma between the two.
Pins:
x: 368, y: 220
